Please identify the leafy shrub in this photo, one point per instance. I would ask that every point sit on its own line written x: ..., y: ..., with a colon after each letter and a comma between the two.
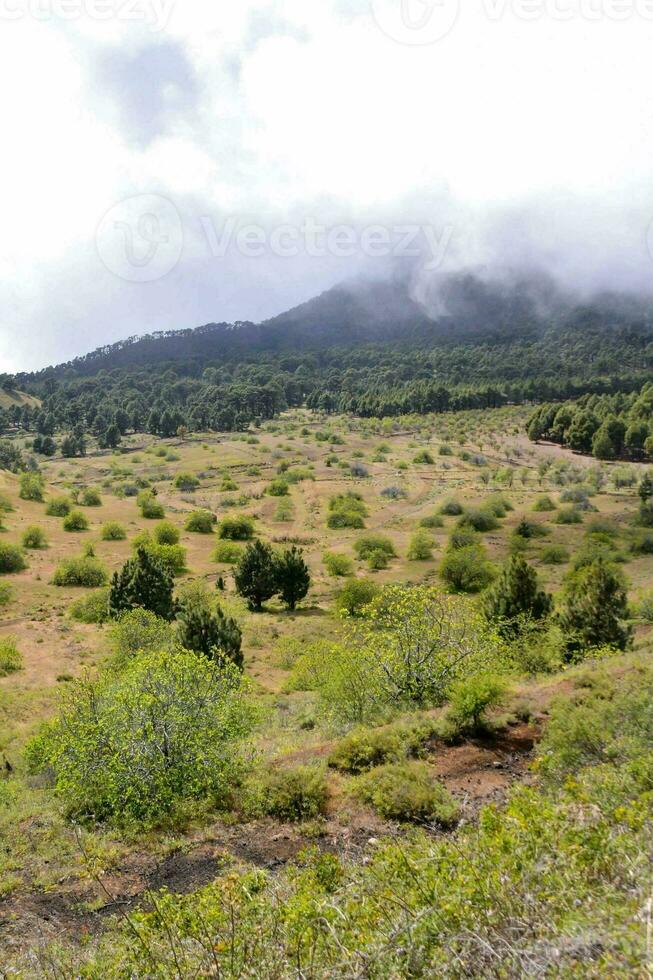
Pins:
x: 481, y: 519
x: 498, y: 505
x: 463, y: 537
x: 355, y: 595
x: 469, y: 699
x: 11, y: 559
x: 31, y: 486
x: 6, y: 594
x: 151, y: 508
x: 11, y: 659
x: 58, y: 507
x: 394, y: 493
x: 237, y: 528
x: 423, y: 457
x: 171, y: 556
x: 186, y: 482
x: 452, y: 508
x: 346, y: 510
x: 139, y: 631
x: 371, y: 543
x: 294, y: 794
x: 93, y: 608
x: 278, y: 488
x: 406, y: 791
x: 113, y: 531
x: 131, y: 747
x: 89, y: 497
x: 467, y: 569
x: 34, y: 537
x: 165, y: 533
x: 75, y: 521
x: 431, y: 521
x: 80, y: 572
x: 201, y: 522
x: 377, y: 560
x: 421, y: 547
x: 530, y: 529
x: 227, y: 553
x: 338, y: 565
x: 642, y: 545
x: 365, y: 748
x: 554, y: 554
x: 543, y: 505
x: 569, y: 515
x: 359, y: 471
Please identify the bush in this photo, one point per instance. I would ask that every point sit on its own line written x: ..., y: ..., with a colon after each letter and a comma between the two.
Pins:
x: 377, y: 560
x: 90, y: 497
x: 529, y: 529
x: 355, y: 595
x: 431, y: 521
x: 554, y: 554
x: 498, y: 505
x: 569, y: 515
x: 278, y: 488
x: 227, y: 553
x: 80, y: 572
x: 113, y: 531
x: 93, y: 608
x: 463, y: 537
x: 201, y: 522
x: 171, y: 556
x: 338, y: 565
x: 469, y: 699
x: 34, y: 537
x: 165, y: 533
x: 346, y: 510
x: 139, y: 631
x: 11, y: 559
x: 151, y: 508
x: 75, y: 521
x: 58, y: 507
x: 481, y: 519
x: 394, y: 493
x: 237, y: 528
x: 423, y: 457
x: 131, y: 747
x: 187, y: 482
x: 644, y: 607
x: 365, y: 748
x: 467, y: 569
x: 452, y: 508
x: 421, y: 547
x: 6, y: 594
x: 543, y: 504
x: 31, y: 486
x: 11, y: 659
x: 406, y: 791
x: 294, y: 794
x: 371, y: 543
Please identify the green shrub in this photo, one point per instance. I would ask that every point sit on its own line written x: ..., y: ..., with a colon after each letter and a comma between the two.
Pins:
x: 152, y: 509
x: 58, y: 507
x: 365, y: 748
x: 347, y: 510
x: 355, y: 595
x: 431, y: 521
x: 469, y: 699
x: 543, y: 504
x: 75, y: 521
x: 406, y: 791
x: 80, y: 572
x: 423, y: 457
x: 90, y: 497
x: 338, y: 565
x: 294, y: 794
x: 481, y: 519
x: 6, y: 506
x: 554, y: 554
x: 131, y: 747
x: 139, y: 631
x: 227, y: 553
x: 467, y: 569
x: 34, y: 537
x: 201, y: 522
x: 113, y: 531
x: 569, y: 515
x: 171, y: 556
x: 93, y: 608
x: 463, y: 537
x: 498, y: 505
x: 11, y: 659
x: 530, y: 529
x: 421, y: 547
x: 165, y: 533
x: 452, y: 508
x: 31, y: 486
x: 186, y: 482
x: 371, y: 543
x: 377, y: 560
x: 278, y: 488
x: 11, y: 559
x: 6, y: 594
x: 240, y: 527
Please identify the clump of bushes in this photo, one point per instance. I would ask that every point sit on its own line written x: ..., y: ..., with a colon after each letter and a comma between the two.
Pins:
x: 93, y: 608
x: 151, y: 508
x: 171, y: 556
x: 530, y: 529
x: 278, y: 488
x: 372, y: 544
x: 431, y: 521
x: 544, y: 504
x: 364, y: 748
x: 240, y: 527
x: 11, y: 559
x: 469, y: 700
x: 554, y: 554
x: 31, y: 486
x: 89, y: 497
x: 481, y: 519
x: 423, y: 457
x: 467, y: 569
x: 227, y: 553
x: 452, y: 508
x: 201, y: 522
x: 75, y: 521
x: 421, y: 547
x: 407, y: 791
x: 569, y: 515
x: 347, y: 510
x: 165, y: 533
x: 338, y: 565
x: 295, y: 794
x: 113, y: 531
x: 34, y: 537
x: 187, y: 482
x: 11, y: 659
x: 58, y: 507
x: 81, y: 572
x: 355, y: 595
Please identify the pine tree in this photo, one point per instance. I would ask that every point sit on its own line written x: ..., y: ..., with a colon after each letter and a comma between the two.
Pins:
x: 596, y: 604
x: 211, y: 633
x: 256, y: 575
x: 293, y: 577
x: 516, y: 597
x: 143, y: 582
x: 646, y: 488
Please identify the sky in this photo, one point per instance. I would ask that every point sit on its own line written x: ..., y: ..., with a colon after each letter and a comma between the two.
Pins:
x: 169, y: 163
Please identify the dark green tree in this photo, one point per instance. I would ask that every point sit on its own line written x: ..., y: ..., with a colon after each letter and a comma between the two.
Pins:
x: 111, y: 437
x: 213, y: 634
x: 256, y: 575
x: 595, y: 607
x: 145, y: 583
x: 515, y: 598
x: 645, y: 489
x: 293, y: 577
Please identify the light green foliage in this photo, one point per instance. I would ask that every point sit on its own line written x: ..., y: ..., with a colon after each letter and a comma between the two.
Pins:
x: 338, y: 565
x: 240, y: 527
x: 131, y: 747
x: 278, y: 488
x: 165, y: 533
x: 58, y: 507
x: 75, y: 520
x: 423, y: 457
x: 80, y: 572
x: 89, y: 497
x: 569, y: 515
x: 140, y: 631
x: 150, y: 507
x: 11, y: 659
x: 11, y: 559
x: 371, y: 543
x: 644, y: 607
x: 469, y: 699
x: 347, y: 510
x: 554, y: 554
x: 364, y: 748
x: 420, y: 547
x: 292, y: 795
x: 113, y: 531
x: 355, y: 595
x: 431, y: 521
x: 31, y: 486
x: 93, y: 608
x: 227, y: 553
x: 406, y: 791
x: 186, y: 482
x: 543, y: 504
x: 171, y: 556
x: 201, y: 522
x: 6, y: 594
x: 34, y: 537
x: 481, y: 519
x: 467, y: 569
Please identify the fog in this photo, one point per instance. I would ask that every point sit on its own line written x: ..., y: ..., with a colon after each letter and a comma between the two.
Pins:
x: 173, y: 164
